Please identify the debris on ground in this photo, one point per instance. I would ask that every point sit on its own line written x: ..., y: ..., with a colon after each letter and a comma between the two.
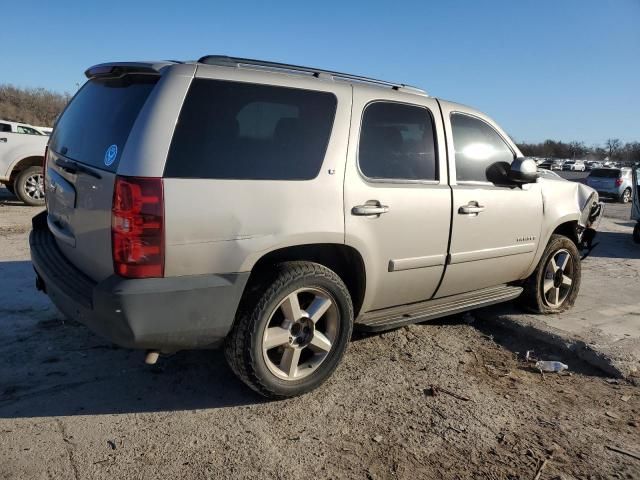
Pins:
x: 624, y: 451
x: 433, y: 390
x: 549, y: 366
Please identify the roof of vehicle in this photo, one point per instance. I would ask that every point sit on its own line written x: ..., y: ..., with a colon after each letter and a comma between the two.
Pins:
x: 122, y: 68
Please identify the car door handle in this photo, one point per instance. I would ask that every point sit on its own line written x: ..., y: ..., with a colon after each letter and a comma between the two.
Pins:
x: 3, y: 139
x: 472, y: 208
x: 369, y: 210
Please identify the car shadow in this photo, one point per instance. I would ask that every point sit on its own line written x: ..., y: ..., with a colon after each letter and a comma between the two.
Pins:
x: 9, y: 199
x: 615, y: 245
x: 56, y: 367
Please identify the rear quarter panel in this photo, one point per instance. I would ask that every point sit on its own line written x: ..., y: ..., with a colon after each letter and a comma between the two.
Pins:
x: 222, y: 226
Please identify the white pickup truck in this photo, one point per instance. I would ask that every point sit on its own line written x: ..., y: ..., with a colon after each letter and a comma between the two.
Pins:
x: 21, y: 160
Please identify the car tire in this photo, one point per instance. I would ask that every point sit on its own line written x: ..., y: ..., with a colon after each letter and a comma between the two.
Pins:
x: 625, y: 197
x: 554, y: 284
x: 292, y: 331
x: 29, y: 186
x: 636, y: 233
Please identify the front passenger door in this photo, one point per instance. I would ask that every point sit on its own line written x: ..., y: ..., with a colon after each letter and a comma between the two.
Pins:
x: 495, y: 225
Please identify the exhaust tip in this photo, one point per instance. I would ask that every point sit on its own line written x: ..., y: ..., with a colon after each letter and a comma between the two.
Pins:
x: 152, y: 357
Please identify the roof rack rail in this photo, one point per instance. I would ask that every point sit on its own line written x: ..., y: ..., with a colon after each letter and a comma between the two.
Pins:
x: 226, y: 61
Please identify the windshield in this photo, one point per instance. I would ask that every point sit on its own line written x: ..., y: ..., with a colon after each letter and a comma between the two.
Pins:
x: 95, y: 126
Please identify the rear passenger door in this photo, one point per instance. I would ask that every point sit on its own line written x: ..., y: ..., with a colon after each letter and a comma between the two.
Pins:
x: 495, y: 225
x: 397, y: 201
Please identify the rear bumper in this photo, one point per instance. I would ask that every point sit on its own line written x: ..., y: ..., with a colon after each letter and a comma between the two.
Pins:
x: 607, y: 193
x: 167, y: 314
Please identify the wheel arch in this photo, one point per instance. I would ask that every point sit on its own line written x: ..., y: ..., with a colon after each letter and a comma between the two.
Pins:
x: 568, y: 229
x: 344, y: 260
x: 18, y: 166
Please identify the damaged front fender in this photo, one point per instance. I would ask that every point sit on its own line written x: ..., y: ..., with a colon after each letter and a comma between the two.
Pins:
x: 591, y: 211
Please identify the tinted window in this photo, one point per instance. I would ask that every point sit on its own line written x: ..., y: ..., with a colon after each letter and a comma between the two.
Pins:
x: 28, y: 130
x: 397, y: 142
x: 481, y: 154
x: 605, y: 173
x: 99, y: 116
x: 247, y: 131
x: 5, y: 127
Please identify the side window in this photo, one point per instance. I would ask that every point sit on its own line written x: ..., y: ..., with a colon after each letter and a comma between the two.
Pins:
x: 397, y: 142
x: 27, y: 130
x: 231, y: 130
x: 5, y: 127
x: 481, y: 154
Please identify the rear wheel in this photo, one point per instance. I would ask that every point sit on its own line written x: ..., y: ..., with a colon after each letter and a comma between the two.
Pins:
x: 554, y: 285
x: 29, y: 186
x: 626, y: 196
x: 292, y: 339
x: 636, y: 233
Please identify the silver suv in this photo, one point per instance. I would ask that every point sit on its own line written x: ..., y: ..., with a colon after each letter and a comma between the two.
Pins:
x: 612, y: 183
x: 272, y: 208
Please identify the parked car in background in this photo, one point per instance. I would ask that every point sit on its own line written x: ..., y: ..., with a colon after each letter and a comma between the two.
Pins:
x: 591, y: 164
x: 17, y: 127
x: 557, y: 165
x: 614, y: 183
x: 545, y: 164
x: 635, y: 207
x: 21, y: 160
x: 273, y: 208
x: 548, y: 174
x: 574, y: 166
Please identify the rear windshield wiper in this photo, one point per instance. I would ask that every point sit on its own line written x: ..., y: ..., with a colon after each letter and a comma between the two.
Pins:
x: 74, y: 167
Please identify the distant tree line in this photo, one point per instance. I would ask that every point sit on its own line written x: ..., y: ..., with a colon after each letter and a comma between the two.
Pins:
x: 36, y: 106
x: 613, y: 149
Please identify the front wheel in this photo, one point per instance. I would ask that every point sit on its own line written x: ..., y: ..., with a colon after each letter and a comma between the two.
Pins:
x: 554, y: 284
x: 292, y: 339
x: 626, y: 196
x: 29, y: 186
x: 636, y: 233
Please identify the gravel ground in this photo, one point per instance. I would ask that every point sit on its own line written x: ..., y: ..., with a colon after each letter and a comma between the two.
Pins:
x: 75, y: 406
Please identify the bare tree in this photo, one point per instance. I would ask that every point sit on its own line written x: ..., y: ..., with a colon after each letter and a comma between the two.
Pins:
x: 613, y: 145
x: 577, y: 149
x: 36, y: 106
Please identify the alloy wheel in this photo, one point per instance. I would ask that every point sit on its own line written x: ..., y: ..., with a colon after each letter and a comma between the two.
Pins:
x: 558, y: 278
x: 34, y: 186
x: 300, y: 333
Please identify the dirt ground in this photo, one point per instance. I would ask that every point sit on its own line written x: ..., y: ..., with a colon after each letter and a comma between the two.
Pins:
x: 74, y: 406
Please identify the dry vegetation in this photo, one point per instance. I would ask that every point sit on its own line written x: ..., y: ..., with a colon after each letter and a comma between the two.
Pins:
x: 36, y: 106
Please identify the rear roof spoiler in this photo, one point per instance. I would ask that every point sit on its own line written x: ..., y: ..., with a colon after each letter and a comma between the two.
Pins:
x: 118, y: 69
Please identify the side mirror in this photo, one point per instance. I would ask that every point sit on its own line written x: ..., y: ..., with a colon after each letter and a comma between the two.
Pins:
x: 523, y: 170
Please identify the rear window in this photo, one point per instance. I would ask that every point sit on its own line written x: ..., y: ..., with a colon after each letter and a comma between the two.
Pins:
x: 231, y: 130
x: 95, y: 126
x: 605, y: 173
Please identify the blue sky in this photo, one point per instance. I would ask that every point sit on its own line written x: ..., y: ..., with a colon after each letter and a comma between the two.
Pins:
x: 562, y: 69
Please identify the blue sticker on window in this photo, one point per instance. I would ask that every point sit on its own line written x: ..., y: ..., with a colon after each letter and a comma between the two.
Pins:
x: 110, y: 155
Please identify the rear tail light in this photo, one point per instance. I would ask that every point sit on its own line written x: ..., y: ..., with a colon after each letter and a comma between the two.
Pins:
x: 44, y: 172
x: 137, y: 227
x: 618, y: 182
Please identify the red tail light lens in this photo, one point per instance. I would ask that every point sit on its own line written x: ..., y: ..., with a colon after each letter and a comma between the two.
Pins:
x: 618, y: 182
x: 44, y: 172
x: 137, y: 227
